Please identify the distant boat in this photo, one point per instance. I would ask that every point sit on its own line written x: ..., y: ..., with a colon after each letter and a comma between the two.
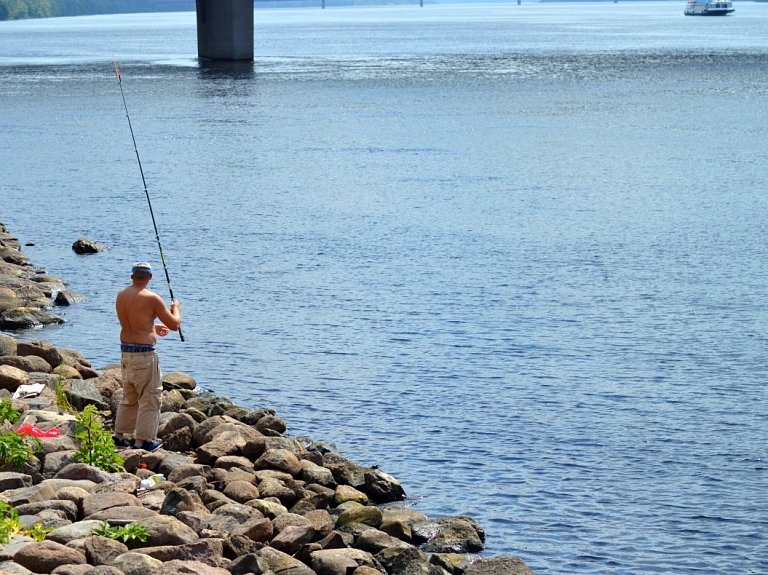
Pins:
x: 706, y: 8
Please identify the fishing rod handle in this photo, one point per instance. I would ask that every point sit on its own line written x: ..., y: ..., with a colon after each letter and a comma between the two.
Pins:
x: 173, y: 299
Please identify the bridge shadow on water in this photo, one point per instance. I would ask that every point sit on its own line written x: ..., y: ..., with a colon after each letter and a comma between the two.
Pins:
x: 225, y: 70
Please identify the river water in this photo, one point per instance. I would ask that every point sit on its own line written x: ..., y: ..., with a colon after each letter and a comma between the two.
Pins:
x: 515, y: 255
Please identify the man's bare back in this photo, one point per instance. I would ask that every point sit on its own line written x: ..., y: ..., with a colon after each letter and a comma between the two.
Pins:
x: 137, y: 309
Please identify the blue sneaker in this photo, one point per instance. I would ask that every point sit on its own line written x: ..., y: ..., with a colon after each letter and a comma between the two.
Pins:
x: 121, y: 441
x: 148, y: 445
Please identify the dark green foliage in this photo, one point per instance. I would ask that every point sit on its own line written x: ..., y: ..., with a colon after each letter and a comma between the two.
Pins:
x: 20, y: 9
x: 17, y: 449
x: 7, y: 413
x: 10, y: 525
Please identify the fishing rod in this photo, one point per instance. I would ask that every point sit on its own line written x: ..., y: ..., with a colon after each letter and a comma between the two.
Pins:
x: 146, y: 192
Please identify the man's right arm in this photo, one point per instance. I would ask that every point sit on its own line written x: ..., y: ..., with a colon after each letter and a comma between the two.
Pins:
x: 170, y: 318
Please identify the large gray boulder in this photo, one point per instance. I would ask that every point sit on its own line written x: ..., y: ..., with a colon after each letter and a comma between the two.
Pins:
x: 82, y: 393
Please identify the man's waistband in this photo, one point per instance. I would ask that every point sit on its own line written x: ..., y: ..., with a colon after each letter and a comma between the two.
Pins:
x: 136, y: 348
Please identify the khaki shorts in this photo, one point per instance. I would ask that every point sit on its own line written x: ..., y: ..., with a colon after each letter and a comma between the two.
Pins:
x: 139, y: 410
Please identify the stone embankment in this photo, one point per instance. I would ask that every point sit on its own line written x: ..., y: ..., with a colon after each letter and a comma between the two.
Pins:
x: 231, y: 492
x: 27, y: 294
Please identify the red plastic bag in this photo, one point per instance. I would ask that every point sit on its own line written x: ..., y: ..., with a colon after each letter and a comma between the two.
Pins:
x: 35, y: 431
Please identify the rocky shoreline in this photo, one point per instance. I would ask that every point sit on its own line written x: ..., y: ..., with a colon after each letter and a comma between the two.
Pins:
x: 229, y: 492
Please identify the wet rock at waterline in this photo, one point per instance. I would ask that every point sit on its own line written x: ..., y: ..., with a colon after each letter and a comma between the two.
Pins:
x: 83, y: 246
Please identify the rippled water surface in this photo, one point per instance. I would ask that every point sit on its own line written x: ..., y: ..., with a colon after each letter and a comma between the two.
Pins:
x: 515, y: 255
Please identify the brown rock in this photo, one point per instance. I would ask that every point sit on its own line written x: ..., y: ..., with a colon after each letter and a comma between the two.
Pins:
x: 280, y: 459
x: 335, y: 565
x: 271, y: 425
x: 281, y: 562
x: 499, y: 566
x: 66, y: 372
x: 257, y: 446
x: 39, y: 492
x: 256, y: 530
x: 69, y: 570
x: 241, y: 491
x: 178, y: 499
x: 270, y: 487
x: 373, y: 541
x: 179, y: 440
x: 456, y: 536
x: 103, y: 550
x: 321, y: 520
x: 193, y: 520
x: 74, y: 355
x: 225, y: 443
x: 344, y: 470
x: 312, y: 473
x: 292, y: 538
x: 125, y: 514
x: 177, y: 567
x: 268, y: 508
x: 8, y: 344
x: 101, y: 501
x: 190, y: 470
x: 133, y: 563
x: 43, y: 349
x: 45, y: 556
x: 22, y: 363
x: 164, y: 530
x: 67, y: 509
x: 238, y: 545
x: 12, y: 377
x: 358, y: 556
x: 208, y: 551
x: 178, y: 380
x: 230, y: 515
x: 229, y: 462
x: 84, y: 246
x: 170, y: 422
x: 396, y: 528
x: 13, y: 480
x: 367, y: 515
x: 346, y: 493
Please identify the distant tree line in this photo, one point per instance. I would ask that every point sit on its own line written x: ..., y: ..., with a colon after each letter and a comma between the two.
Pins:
x: 21, y: 9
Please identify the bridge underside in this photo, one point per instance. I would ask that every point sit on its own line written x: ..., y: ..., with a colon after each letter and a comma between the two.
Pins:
x: 225, y: 29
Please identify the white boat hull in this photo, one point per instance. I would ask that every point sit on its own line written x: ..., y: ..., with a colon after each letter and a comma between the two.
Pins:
x: 694, y: 8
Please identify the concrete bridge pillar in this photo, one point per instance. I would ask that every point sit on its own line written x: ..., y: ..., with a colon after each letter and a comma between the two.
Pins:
x: 225, y: 29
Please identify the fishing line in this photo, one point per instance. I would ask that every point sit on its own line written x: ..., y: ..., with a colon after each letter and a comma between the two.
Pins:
x: 146, y: 192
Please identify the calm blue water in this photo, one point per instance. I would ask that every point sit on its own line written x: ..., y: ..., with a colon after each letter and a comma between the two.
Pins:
x: 515, y: 255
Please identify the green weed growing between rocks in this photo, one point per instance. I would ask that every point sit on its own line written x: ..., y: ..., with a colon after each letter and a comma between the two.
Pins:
x: 124, y: 532
x: 10, y: 525
x: 7, y: 413
x: 96, y: 445
x: 61, y: 397
x: 18, y: 449
x: 15, y: 448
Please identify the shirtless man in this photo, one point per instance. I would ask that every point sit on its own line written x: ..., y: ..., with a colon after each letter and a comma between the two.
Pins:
x: 137, y: 309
